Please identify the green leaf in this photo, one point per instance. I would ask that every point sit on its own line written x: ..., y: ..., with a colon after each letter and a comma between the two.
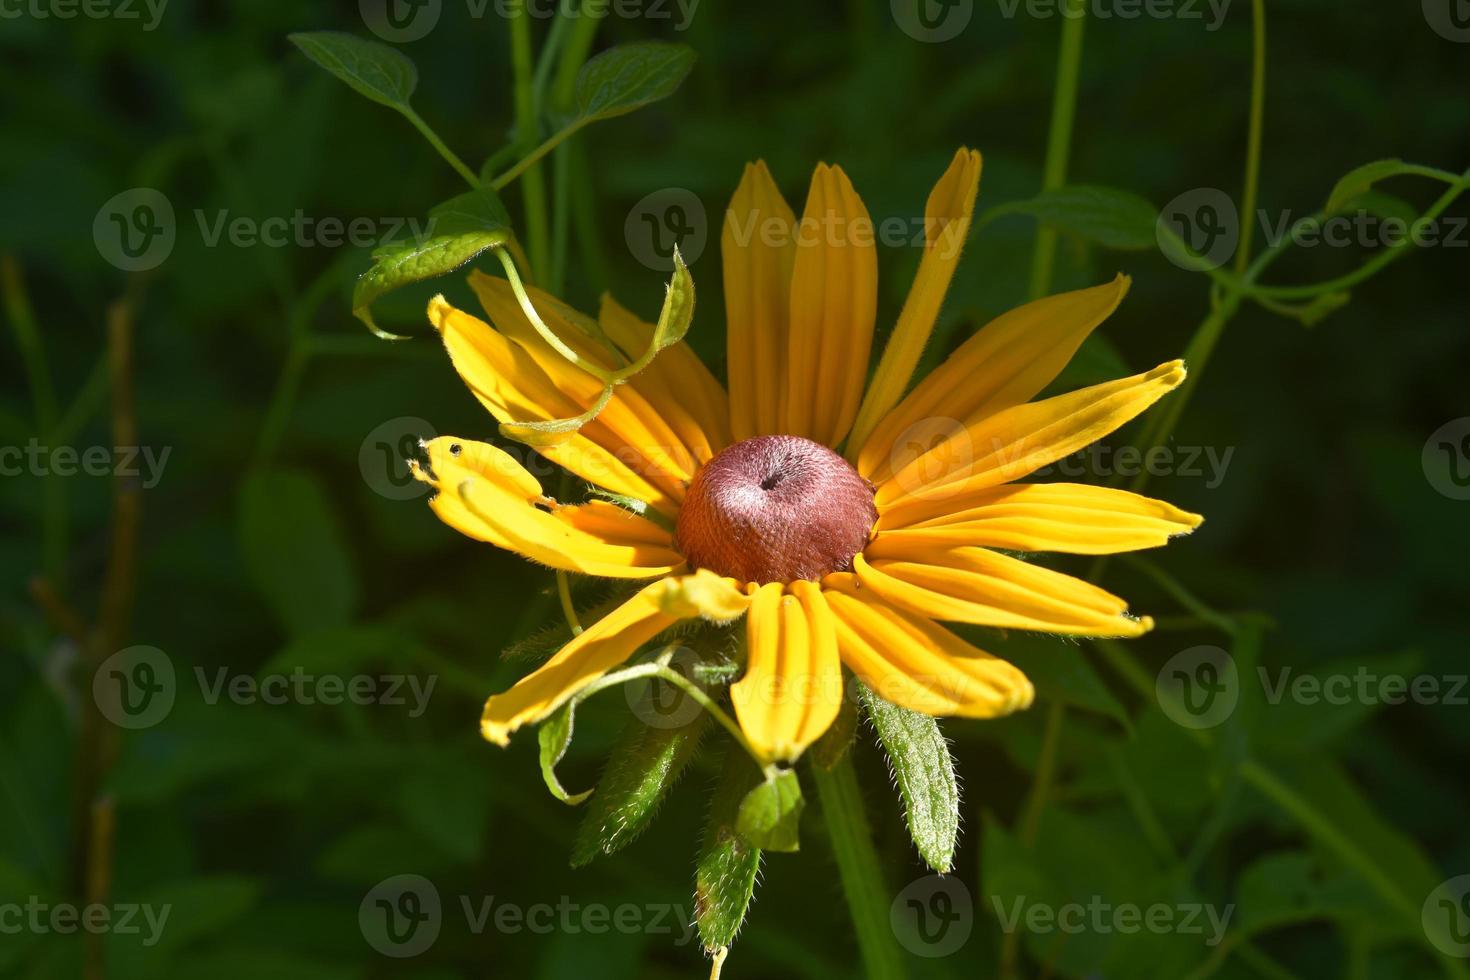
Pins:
x: 770, y: 814
x: 555, y: 736
x: 1359, y: 180
x: 1059, y: 671
x: 725, y: 874
x: 555, y: 431
x: 371, y: 68
x: 1291, y: 887
x: 919, y: 755
x: 459, y: 230
x: 1111, y: 217
x: 643, y: 767
x: 629, y: 77
x: 295, y: 552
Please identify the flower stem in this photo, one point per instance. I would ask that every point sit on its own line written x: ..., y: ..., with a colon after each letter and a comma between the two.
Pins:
x: 1059, y: 139
x: 450, y: 157
x: 533, y: 187
x: 1253, y: 138
x: 857, y: 864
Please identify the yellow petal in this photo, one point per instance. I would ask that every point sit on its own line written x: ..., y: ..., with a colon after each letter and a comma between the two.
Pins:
x: 596, y: 650
x: 914, y: 662
x: 946, y: 224
x: 1022, y: 439
x: 792, y: 687
x: 1068, y: 517
x: 628, y: 426
x: 676, y: 384
x: 485, y: 494
x: 704, y: 594
x: 510, y: 382
x: 1007, y: 362
x: 834, y: 298
x: 757, y: 247
x: 974, y: 585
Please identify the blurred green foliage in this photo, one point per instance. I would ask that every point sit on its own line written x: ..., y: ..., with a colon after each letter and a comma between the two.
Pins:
x: 278, y: 540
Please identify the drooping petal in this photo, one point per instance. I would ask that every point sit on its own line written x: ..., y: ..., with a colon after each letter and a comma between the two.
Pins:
x: 629, y: 417
x: 676, y: 384
x: 596, y: 650
x: 914, y: 662
x: 485, y: 494
x: 792, y: 687
x: 513, y: 385
x: 986, y: 588
x: 946, y: 224
x: 1007, y: 362
x: 1022, y: 439
x: 757, y: 248
x: 834, y: 299
x: 1067, y: 517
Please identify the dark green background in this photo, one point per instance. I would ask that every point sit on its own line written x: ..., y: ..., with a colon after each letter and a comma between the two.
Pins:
x: 264, y: 826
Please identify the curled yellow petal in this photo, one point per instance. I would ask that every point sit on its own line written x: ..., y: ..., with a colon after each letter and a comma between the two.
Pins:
x: 703, y: 594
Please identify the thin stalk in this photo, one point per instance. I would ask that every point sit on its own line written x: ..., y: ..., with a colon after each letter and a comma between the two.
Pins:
x: 527, y: 307
x: 450, y: 157
x: 1253, y: 138
x: 533, y: 188
x: 1059, y: 138
x: 857, y: 865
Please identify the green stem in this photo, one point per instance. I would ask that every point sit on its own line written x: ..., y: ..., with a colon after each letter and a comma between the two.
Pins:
x: 592, y: 368
x: 1253, y: 139
x: 857, y: 865
x: 438, y: 144
x: 533, y: 188
x: 1059, y: 139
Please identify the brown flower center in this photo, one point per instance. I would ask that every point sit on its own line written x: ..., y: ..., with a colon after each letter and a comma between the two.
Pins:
x: 775, y: 509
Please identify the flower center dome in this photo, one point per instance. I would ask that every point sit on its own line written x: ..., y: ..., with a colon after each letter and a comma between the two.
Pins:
x: 775, y: 509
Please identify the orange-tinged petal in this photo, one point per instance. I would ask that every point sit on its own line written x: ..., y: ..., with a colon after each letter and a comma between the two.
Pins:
x: 757, y: 248
x: 1022, y: 439
x: 677, y: 384
x: 1007, y: 362
x: 485, y: 494
x: 792, y: 687
x: 1067, y: 517
x: 834, y: 299
x: 512, y: 382
x: 597, y: 649
x: 975, y: 585
x: 946, y: 224
x: 914, y: 662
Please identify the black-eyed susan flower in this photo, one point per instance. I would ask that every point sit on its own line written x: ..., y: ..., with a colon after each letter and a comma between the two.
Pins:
x: 844, y: 518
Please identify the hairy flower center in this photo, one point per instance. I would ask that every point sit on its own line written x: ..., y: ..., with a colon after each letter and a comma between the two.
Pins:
x: 775, y: 509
